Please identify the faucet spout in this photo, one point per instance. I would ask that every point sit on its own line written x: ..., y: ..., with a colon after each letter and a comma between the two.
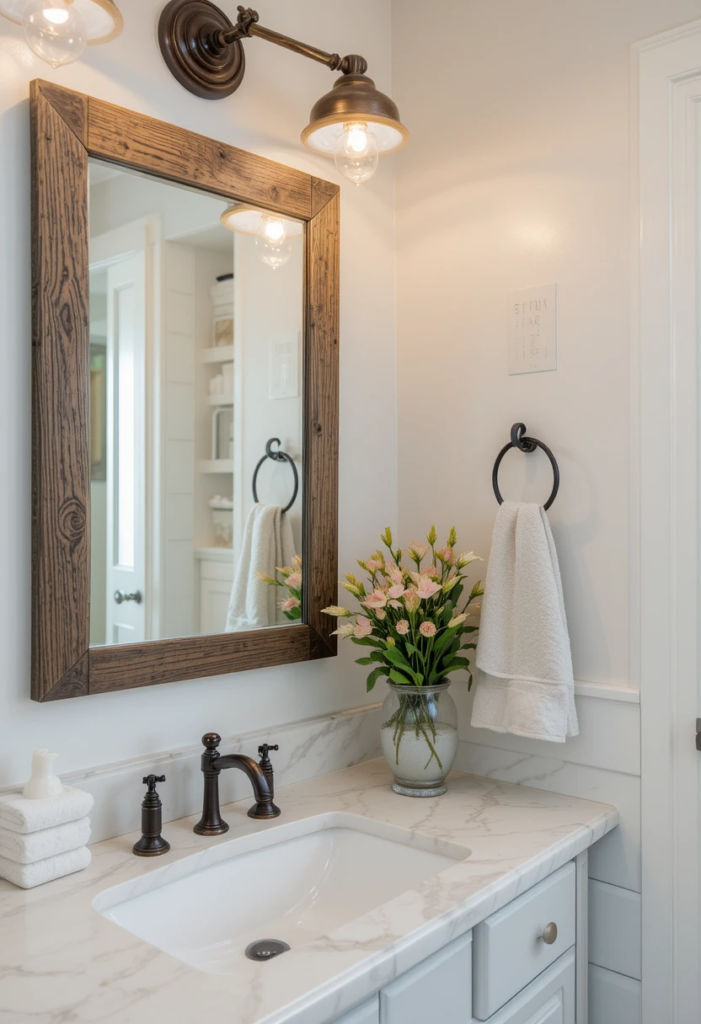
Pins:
x: 260, y: 776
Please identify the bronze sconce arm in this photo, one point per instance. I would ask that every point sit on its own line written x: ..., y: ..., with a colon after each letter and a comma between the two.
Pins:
x: 354, y: 122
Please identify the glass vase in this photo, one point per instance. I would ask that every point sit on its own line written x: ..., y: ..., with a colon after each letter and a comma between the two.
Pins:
x: 419, y: 737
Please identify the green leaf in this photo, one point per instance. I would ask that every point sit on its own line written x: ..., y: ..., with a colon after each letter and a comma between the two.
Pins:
x: 366, y: 641
x: 397, y: 677
x: 374, y: 676
x: 375, y: 656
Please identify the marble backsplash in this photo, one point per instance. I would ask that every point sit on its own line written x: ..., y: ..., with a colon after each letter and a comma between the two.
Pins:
x: 308, y: 748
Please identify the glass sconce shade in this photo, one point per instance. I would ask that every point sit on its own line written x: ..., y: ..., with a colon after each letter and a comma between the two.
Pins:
x: 273, y: 234
x: 354, y: 100
x: 54, y: 30
x: 356, y: 153
x: 102, y: 19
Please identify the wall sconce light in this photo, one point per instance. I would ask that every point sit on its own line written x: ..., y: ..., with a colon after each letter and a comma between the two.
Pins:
x: 354, y: 123
x: 59, y: 30
x: 272, y: 232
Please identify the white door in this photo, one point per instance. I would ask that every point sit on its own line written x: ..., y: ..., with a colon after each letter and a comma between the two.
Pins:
x: 666, y: 437
x: 126, y: 437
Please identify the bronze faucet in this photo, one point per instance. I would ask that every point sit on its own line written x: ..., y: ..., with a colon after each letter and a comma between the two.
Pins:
x: 261, y: 776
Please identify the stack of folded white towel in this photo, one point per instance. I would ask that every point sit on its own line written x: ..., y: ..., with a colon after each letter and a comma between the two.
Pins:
x: 44, y: 839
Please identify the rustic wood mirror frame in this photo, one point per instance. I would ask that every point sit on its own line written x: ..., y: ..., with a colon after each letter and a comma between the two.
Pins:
x: 67, y: 128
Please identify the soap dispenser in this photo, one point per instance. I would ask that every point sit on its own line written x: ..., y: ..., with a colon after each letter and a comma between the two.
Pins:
x: 43, y: 782
x: 152, y: 843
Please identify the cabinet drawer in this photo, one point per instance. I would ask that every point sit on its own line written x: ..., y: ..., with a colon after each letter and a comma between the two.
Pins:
x: 508, y: 949
x: 547, y: 1000
x: 368, y: 1013
x: 439, y: 989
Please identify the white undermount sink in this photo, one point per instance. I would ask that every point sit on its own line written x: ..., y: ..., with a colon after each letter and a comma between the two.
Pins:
x: 294, y: 882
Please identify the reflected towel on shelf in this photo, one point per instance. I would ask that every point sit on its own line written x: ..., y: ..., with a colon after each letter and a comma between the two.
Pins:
x: 47, y: 842
x: 526, y: 683
x: 20, y: 814
x: 26, y: 876
x: 267, y: 544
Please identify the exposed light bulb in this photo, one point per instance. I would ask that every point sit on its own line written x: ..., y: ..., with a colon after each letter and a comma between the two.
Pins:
x: 273, y: 246
x: 54, y: 30
x: 356, y: 153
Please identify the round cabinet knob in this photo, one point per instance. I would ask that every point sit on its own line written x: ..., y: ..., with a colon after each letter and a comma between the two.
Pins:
x: 549, y: 934
x: 120, y: 597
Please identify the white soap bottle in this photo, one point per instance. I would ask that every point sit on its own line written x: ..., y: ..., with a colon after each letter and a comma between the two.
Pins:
x: 43, y: 782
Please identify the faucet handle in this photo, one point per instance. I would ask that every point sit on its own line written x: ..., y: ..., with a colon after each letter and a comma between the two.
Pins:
x: 263, y: 752
x: 211, y: 740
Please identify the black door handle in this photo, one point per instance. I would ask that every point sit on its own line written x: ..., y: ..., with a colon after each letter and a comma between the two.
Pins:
x: 698, y: 733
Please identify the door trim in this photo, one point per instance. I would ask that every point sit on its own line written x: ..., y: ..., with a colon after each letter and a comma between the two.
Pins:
x: 666, y: 122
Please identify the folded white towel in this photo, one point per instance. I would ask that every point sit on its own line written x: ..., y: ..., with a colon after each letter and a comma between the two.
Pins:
x: 47, y: 842
x: 26, y: 876
x: 527, y: 686
x: 19, y: 814
x: 267, y: 544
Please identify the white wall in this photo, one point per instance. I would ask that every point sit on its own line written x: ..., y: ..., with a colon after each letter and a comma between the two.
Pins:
x: 266, y: 116
x: 518, y: 175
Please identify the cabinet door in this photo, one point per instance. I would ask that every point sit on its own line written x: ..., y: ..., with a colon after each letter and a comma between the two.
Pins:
x: 547, y: 1000
x: 368, y: 1013
x: 214, y: 605
x: 439, y: 989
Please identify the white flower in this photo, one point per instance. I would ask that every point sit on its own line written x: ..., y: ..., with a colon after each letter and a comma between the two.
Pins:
x: 336, y: 611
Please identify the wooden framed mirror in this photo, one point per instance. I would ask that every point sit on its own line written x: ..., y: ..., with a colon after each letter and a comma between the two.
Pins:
x: 127, y: 338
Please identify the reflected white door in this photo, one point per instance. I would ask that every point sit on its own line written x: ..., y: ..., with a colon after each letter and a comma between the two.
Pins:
x: 126, y: 434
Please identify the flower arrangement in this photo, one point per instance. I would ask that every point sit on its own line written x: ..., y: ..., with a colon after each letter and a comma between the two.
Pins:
x: 292, y: 583
x: 412, y: 619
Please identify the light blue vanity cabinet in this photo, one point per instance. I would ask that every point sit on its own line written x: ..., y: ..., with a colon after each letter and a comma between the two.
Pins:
x: 516, y: 967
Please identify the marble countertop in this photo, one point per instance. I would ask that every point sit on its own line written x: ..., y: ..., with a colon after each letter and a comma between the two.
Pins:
x: 61, y: 961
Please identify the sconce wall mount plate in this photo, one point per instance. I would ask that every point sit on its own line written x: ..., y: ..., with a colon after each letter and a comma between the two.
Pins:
x: 189, y: 34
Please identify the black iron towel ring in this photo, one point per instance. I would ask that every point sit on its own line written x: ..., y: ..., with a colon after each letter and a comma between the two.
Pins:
x: 525, y: 444
x: 276, y: 456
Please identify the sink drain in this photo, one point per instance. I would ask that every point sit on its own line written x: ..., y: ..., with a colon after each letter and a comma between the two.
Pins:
x: 266, y: 949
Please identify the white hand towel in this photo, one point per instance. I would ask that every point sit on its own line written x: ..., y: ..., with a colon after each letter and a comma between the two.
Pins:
x: 267, y: 544
x: 523, y: 651
x: 22, y: 815
x: 47, y: 842
x: 26, y: 876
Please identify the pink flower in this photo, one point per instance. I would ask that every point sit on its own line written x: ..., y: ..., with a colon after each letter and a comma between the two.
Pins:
x: 375, y: 600
x: 294, y: 580
x: 411, y: 600
x: 430, y: 571
x: 446, y: 555
x: 427, y: 629
x: 363, y: 627
x: 395, y: 604
x: 289, y: 604
x: 394, y: 574
x: 426, y: 588
x: 373, y: 565
x: 417, y: 551
x: 381, y: 614
x: 396, y: 591
x: 402, y: 627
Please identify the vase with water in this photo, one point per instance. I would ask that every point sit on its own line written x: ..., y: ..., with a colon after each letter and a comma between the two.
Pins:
x: 419, y: 737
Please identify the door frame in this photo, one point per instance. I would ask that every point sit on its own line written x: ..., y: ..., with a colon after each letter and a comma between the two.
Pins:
x: 144, y: 235
x: 666, y: 169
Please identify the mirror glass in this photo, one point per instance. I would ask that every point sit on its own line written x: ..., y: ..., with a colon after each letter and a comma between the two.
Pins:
x: 196, y: 411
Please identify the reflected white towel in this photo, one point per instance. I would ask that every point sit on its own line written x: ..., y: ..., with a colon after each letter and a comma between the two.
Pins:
x: 526, y: 685
x: 267, y: 544
x: 22, y: 815
x: 47, y: 842
x: 26, y: 876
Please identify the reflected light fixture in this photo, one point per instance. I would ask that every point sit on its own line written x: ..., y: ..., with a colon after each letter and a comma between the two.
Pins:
x: 354, y: 122
x: 59, y: 30
x: 272, y: 232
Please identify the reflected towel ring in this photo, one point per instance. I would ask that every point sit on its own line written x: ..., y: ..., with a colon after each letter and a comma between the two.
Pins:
x: 276, y: 456
x: 525, y: 444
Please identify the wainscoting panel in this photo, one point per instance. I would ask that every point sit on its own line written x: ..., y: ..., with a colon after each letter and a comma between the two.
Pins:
x: 614, y: 929
x: 614, y: 999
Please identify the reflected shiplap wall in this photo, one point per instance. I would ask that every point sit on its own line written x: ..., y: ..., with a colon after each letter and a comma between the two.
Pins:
x: 519, y: 176
x: 265, y: 116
